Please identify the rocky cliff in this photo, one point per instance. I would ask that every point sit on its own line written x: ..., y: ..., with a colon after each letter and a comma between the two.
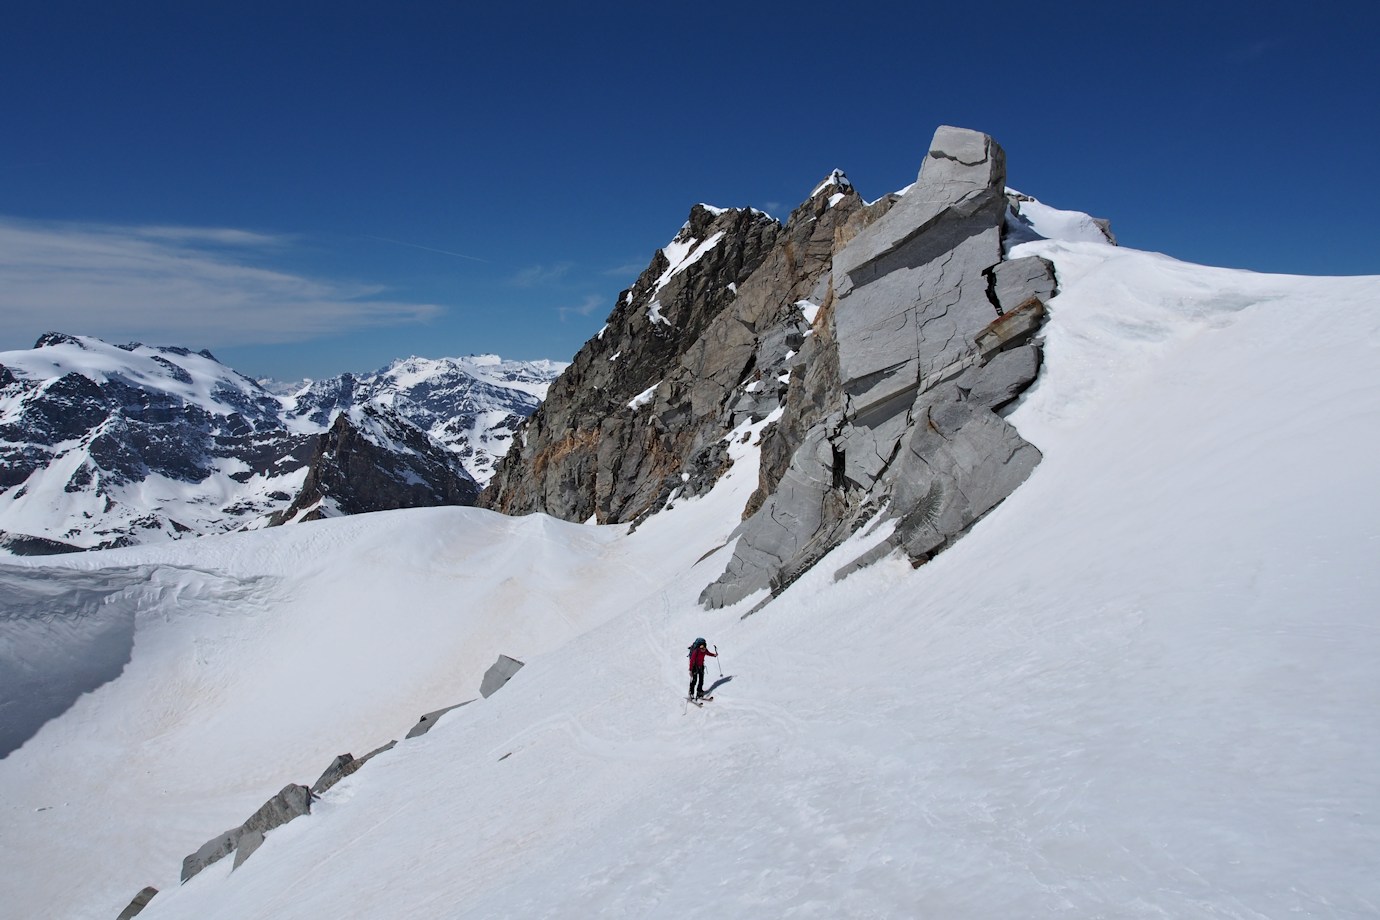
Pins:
x: 372, y: 459
x: 887, y: 338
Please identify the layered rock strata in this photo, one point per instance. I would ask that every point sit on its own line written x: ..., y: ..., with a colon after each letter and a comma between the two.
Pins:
x: 931, y: 334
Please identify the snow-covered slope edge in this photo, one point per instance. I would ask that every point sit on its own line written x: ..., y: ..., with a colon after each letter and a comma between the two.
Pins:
x: 1141, y: 687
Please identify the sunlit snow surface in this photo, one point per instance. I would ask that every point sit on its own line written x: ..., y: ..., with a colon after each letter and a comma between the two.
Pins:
x: 1144, y: 686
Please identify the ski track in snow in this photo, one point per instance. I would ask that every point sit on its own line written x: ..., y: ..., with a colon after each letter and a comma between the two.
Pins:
x: 1143, y: 686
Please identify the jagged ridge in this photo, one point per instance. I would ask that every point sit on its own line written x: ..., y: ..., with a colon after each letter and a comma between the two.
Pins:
x: 886, y: 336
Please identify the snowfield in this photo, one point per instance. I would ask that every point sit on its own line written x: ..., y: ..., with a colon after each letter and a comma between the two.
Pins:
x: 1144, y: 686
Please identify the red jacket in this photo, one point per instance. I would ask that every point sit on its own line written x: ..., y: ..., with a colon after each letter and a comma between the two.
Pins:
x: 697, y: 656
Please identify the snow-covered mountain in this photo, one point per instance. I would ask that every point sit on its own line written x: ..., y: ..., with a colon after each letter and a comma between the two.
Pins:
x: 472, y: 405
x: 1141, y: 686
x: 106, y: 445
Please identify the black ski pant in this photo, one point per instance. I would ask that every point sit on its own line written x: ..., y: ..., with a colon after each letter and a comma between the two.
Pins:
x: 697, y: 680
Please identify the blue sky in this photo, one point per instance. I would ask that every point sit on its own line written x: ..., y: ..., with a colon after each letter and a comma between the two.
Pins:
x: 310, y: 188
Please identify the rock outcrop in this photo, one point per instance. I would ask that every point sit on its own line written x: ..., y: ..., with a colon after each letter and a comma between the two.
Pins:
x: 931, y: 334
x: 291, y: 802
x: 344, y: 765
x: 136, y: 906
x: 499, y: 673
x: 428, y: 720
x: 889, y: 336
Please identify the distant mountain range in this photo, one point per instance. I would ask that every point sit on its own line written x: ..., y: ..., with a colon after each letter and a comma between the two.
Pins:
x: 114, y: 445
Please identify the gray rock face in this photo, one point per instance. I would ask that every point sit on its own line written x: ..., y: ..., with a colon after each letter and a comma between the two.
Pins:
x: 341, y: 767
x: 248, y: 843
x: 292, y: 802
x: 136, y: 906
x: 344, y: 765
x: 929, y: 336
x: 428, y: 721
x: 499, y: 673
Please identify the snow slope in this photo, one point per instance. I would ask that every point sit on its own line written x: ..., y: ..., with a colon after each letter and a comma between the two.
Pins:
x: 1143, y: 686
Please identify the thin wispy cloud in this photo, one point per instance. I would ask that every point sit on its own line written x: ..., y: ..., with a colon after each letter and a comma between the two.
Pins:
x: 627, y: 270
x: 1255, y: 50
x: 591, y: 303
x: 221, y: 236
x: 542, y: 275
x: 194, y: 286
x: 444, y: 252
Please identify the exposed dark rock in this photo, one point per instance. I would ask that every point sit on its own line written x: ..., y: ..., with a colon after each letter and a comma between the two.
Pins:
x: 637, y: 417
x: 18, y: 544
x: 57, y: 338
x: 357, y: 468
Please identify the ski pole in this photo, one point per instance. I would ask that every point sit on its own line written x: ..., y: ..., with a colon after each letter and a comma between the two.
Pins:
x: 718, y: 662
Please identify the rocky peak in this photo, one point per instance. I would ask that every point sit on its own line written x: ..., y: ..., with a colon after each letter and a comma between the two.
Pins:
x: 589, y: 450
x: 888, y: 335
x: 833, y: 191
x: 636, y: 421
x: 49, y: 339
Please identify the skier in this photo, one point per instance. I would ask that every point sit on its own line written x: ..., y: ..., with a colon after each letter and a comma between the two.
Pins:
x: 698, y: 652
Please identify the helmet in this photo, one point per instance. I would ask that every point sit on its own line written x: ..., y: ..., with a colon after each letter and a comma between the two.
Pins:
x: 699, y: 642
